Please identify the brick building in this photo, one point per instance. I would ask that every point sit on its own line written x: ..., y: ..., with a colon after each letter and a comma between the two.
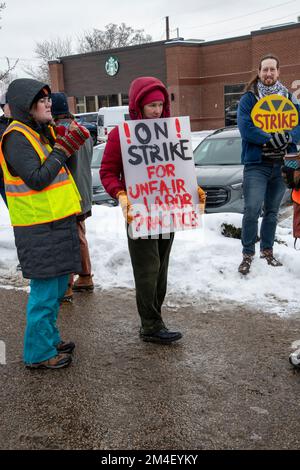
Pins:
x: 204, y: 79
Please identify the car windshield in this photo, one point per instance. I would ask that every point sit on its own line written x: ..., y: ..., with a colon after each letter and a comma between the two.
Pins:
x: 219, y: 151
x: 97, y: 157
x: 87, y: 118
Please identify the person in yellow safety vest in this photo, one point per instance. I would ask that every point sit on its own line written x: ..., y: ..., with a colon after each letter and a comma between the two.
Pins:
x: 43, y: 202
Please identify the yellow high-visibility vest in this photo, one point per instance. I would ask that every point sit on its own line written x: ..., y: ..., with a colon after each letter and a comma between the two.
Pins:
x: 29, y: 207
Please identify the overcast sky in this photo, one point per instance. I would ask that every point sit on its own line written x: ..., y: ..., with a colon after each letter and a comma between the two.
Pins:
x: 25, y: 22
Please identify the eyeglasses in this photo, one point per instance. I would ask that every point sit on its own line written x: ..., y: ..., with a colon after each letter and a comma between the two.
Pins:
x: 45, y: 100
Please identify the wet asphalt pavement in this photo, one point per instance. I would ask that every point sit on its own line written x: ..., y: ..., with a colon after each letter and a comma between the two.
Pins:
x: 226, y: 385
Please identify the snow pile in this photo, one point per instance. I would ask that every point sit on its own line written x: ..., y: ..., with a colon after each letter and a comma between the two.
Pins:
x: 203, y: 263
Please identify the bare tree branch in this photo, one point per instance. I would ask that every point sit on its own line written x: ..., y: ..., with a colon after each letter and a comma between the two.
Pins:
x: 46, y: 51
x: 6, y: 75
x: 113, y: 36
x: 10, y: 67
x: 2, y: 6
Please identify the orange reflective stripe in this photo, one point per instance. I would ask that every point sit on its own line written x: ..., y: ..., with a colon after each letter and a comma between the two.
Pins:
x: 33, y: 137
x: 28, y: 193
x: 52, y: 132
x: 16, y: 183
x: 63, y: 183
x: 19, y: 125
x: 23, y: 189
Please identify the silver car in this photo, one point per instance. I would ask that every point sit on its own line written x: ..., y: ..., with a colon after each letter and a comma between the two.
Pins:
x: 220, y: 172
x: 100, y: 196
x: 198, y: 136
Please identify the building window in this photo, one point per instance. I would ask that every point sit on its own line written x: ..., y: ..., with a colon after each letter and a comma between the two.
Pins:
x: 107, y: 100
x: 125, y: 99
x: 232, y: 96
x: 90, y: 102
x: 80, y: 105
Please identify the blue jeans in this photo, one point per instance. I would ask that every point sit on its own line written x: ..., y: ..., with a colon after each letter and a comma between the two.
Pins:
x: 41, y: 334
x: 262, y: 186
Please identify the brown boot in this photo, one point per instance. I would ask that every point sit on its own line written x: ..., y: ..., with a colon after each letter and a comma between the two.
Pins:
x: 244, y: 267
x: 56, y: 362
x: 83, y: 283
x: 270, y: 258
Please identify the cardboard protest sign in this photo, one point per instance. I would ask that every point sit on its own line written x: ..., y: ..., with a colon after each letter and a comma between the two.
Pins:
x: 275, y: 113
x: 160, y: 175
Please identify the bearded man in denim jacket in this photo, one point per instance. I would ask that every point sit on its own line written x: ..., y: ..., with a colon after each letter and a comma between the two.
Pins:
x: 262, y: 156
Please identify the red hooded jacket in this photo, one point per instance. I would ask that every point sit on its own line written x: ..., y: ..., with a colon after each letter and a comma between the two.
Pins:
x: 111, y: 171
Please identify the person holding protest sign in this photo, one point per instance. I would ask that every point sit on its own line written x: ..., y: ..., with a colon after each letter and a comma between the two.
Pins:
x: 148, y: 99
x: 269, y: 126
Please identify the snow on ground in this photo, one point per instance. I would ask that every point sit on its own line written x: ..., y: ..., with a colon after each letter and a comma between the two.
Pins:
x: 203, y: 263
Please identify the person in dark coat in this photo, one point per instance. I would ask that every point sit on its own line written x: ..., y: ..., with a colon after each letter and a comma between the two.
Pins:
x: 148, y: 99
x: 79, y: 165
x: 43, y: 202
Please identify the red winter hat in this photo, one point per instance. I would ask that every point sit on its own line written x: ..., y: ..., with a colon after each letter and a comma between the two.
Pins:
x: 154, y: 95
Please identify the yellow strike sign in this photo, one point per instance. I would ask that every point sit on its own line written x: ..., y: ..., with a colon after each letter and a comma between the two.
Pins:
x: 275, y: 113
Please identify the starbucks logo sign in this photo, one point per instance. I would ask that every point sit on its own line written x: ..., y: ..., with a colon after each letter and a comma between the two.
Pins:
x: 112, y: 66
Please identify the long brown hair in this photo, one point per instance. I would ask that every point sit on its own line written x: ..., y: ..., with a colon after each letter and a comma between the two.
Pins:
x: 253, y: 80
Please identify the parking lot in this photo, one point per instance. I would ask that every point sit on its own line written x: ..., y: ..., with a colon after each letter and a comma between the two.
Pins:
x: 226, y: 385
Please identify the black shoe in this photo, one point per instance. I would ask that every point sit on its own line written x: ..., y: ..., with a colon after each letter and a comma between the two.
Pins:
x: 162, y: 336
x: 64, y: 347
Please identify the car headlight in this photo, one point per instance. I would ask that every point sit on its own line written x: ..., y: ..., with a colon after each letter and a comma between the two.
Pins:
x: 236, y: 186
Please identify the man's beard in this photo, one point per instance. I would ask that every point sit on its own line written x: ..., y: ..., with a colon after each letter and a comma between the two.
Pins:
x: 270, y: 84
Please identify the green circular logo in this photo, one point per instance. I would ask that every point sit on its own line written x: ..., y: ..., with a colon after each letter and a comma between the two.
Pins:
x: 112, y: 66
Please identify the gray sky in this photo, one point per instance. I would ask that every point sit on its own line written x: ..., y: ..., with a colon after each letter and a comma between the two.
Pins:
x: 25, y: 22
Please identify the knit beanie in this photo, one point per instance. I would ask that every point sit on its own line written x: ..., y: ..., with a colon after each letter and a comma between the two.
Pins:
x: 154, y: 95
x: 41, y: 94
x: 59, y: 104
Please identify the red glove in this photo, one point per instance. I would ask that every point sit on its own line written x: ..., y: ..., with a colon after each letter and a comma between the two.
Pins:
x: 71, y: 139
x: 60, y: 130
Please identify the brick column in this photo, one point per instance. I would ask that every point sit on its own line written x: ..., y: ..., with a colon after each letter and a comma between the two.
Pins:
x: 72, y: 104
x: 56, y: 71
